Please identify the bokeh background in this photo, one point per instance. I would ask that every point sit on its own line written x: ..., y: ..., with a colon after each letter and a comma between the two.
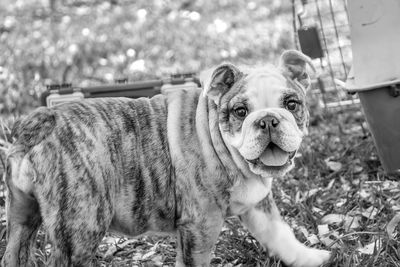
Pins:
x: 97, y: 42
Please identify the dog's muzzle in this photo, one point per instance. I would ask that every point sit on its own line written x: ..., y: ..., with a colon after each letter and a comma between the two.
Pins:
x: 270, y: 140
x: 274, y: 153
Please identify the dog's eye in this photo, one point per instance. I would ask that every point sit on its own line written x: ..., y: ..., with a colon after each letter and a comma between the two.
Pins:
x: 292, y: 105
x: 241, y: 112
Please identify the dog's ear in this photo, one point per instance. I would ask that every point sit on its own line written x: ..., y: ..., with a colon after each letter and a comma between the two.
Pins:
x: 217, y: 81
x: 294, y: 65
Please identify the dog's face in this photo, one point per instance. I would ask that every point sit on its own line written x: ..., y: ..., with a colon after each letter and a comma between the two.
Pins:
x: 262, y: 112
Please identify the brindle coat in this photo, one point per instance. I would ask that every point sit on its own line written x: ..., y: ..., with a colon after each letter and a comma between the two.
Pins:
x: 135, y: 166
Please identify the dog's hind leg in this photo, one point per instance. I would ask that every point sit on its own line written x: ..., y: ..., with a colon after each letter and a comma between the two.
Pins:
x: 23, y: 221
x: 76, y: 219
x: 74, y: 246
x: 75, y: 236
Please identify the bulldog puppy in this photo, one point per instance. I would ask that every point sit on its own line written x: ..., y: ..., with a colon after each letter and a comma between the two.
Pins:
x: 178, y: 163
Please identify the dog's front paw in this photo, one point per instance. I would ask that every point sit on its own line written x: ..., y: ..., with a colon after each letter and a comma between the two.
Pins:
x: 311, y: 257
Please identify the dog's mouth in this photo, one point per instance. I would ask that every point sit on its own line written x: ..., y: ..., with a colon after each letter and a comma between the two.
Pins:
x: 273, y: 156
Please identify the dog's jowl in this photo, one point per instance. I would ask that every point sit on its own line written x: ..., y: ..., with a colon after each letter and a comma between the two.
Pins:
x: 178, y: 163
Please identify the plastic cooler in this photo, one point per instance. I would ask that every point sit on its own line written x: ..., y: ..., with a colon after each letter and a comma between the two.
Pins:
x: 375, y: 36
x: 61, y: 93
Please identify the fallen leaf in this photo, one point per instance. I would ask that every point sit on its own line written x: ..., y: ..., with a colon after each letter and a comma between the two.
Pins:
x: 110, y: 251
x: 346, y: 187
x: 357, y: 169
x: 285, y: 197
x: 313, y: 239
x: 325, y: 236
x: 391, y: 226
x: 363, y: 176
x: 304, y: 231
x: 349, y: 222
x: 309, y: 193
x: 137, y: 257
x: 340, y: 202
x: 111, y: 240
x: 157, y: 260
x: 47, y: 248
x: 333, y: 165
x: 370, y: 213
x: 297, y: 197
x: 126, y: 243
x: 392, y: 186
x: 364, y: 193
x: 323, y: 229
x: 330, y: 184
x: 396, y: 207
x: 148, y: 255
x: 371, y: 247
x: 224, y: 229
x: 318, y: 210
x: 333, y: 218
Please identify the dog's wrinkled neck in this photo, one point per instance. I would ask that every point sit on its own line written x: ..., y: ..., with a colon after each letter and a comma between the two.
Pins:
x: 212, y: 144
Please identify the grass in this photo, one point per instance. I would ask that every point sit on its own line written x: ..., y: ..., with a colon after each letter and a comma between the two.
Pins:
x: 338, y: 174
x: 356, y: 187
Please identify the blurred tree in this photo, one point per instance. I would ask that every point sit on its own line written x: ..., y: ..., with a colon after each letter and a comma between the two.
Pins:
x: 91, y: 41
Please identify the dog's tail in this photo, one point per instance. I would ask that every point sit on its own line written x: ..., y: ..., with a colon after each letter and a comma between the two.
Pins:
x: 22, y: 134
x: 31, y: 130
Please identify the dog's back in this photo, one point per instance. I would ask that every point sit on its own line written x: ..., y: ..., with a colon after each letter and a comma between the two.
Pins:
x: 98, y: 151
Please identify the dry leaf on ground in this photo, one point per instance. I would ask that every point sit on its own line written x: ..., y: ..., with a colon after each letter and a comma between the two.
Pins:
x: 333, y: 165
x: 391, y: 226
x: 325, y: 235
x: 349, y: 222
x: 370, y: 213
x: 371, y: 247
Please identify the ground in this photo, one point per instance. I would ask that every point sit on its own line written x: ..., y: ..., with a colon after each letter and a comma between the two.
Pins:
x: 337, y: 198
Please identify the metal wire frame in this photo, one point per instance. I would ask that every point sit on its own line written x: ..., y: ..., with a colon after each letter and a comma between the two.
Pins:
x: 336, y: 46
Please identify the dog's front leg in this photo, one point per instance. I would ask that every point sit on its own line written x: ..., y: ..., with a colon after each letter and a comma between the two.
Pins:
x: 266, y: 224
x: 196, y: 240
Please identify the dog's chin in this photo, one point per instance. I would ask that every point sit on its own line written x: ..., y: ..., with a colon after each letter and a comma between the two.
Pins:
x: 270, y: 164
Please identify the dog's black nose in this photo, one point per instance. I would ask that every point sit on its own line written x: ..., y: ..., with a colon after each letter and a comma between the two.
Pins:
x: 268, y: 121
x: 274, y: 122
x: 262, y: 124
